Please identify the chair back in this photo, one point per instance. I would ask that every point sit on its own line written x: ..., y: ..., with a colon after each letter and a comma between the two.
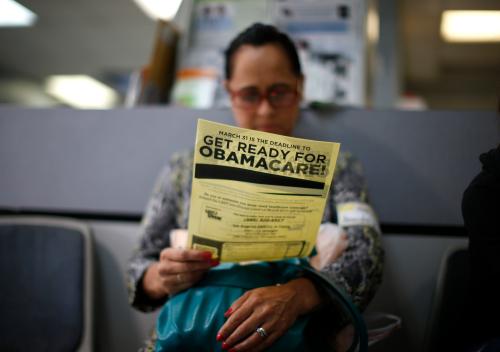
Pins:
x: 46, y: 284
x: 449, y: 303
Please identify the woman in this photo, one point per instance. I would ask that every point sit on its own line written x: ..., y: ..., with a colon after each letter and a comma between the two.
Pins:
x: 265, y: 82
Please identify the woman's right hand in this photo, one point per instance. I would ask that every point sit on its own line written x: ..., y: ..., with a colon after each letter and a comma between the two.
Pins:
x: 177, y: 270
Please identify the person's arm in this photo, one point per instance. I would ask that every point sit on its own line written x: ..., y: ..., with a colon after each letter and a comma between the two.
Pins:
x: 358, y: 270
x: 162, y: 215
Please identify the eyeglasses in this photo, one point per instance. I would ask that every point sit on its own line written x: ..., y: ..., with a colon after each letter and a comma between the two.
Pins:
x: 278, y: 96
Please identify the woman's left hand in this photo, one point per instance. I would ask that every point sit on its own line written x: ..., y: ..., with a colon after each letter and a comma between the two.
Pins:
x: 273, y: 308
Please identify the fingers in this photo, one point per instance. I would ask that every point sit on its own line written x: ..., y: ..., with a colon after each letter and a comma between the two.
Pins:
x: 255, y: 342
x: 236, y: 317
x: 180, y: 282
x: 269, y: 307
x: 179, y: 269
x: 175, y: 261
x: 177, y: 278
x: 166, y: 268
x: 184, y: 255
x: 246, y: 338
x: 236, y: 304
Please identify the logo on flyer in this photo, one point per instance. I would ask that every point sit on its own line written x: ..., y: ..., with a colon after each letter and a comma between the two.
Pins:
x: 212, y: 214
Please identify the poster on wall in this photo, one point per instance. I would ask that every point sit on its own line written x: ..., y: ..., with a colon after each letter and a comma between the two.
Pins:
x: 213, y: 24
x: 324, y: 26
x: 330, y: 37
x: 216, y: 22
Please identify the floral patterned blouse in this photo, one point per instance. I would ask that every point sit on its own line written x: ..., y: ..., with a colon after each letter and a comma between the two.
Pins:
x: 358, y: 270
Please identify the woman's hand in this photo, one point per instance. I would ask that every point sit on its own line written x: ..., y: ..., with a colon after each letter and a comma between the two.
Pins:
x: 177, y: 270
x: 274, y: 308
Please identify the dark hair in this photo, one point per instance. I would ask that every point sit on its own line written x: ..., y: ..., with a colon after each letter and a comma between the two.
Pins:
x: 259, y: 34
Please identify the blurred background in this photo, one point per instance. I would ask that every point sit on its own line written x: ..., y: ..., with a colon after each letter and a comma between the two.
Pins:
x: 429, y: 54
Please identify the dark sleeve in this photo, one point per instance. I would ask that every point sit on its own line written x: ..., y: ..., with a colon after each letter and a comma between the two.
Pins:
x: 158, y: 220
x: 480, y: 208
x: 359, y: 269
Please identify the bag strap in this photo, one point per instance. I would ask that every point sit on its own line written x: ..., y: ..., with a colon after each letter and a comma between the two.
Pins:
x: 360, y: 341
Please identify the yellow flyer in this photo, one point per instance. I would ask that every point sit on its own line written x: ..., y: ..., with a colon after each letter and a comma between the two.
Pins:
x: 257, y: 195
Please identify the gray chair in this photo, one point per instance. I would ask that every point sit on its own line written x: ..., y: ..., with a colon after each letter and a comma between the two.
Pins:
x: 46, y: 273
x: 449, y: 302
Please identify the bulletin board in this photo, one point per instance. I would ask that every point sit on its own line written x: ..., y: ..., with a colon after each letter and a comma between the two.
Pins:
x: 330, y: 36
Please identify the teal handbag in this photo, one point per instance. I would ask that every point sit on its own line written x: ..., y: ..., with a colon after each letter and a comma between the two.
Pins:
x: 190, y: 320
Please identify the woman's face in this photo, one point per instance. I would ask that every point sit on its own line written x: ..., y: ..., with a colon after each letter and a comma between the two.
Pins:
x: 264, y: 71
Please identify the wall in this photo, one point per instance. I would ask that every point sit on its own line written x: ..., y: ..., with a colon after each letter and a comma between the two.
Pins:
x: 106, y: 161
